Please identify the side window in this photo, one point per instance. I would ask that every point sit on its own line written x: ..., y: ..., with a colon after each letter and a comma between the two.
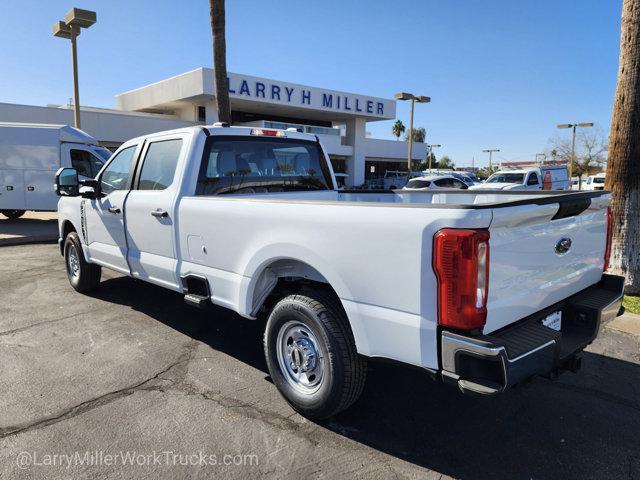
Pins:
x: 80, y: 161
x: 96, y: 164
x: 533, y: 179
x: 459, y: 184
x: 116, y: 175
x: 159, y: 166
x: 444, y: 183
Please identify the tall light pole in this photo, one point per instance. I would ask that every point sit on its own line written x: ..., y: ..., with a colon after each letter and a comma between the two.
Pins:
x: 431, y: 146
x: 490, y: 152
x: 74, y: 20
x: 413, y: 98
x: 573, y: 141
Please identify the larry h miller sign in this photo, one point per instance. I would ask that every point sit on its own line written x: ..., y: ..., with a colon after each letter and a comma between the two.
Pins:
x: 271, y: 91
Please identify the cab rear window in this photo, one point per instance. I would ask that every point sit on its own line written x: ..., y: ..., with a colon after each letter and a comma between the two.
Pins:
x: 261, y: 165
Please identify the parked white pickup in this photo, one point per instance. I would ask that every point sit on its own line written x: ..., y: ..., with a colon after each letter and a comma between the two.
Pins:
x: 481, y: 289
x: 545, y: 177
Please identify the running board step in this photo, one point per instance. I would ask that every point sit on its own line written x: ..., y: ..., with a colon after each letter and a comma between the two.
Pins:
x: 198, y: 301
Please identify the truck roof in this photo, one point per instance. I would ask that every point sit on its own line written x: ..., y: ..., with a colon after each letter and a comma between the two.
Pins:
x: 222, y: 129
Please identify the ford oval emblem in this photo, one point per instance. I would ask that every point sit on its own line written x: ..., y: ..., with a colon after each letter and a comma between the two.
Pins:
x: 563, y: 245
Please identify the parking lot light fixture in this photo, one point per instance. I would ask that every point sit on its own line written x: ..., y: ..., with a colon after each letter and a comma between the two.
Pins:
x: 431, y: 146
x: 74, y: 21
x: 573, y: 141
x: 413, y: 99
x: 490, y: 152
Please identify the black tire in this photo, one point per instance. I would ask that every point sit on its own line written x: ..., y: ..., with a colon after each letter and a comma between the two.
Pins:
x: 13, y: 214
x: 343, y: 370
x: 82, y: 276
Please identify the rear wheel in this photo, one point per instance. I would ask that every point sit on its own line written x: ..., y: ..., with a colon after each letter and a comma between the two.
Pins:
x: 13, y: 214
x: 311, y: 354
x: 83, y: 276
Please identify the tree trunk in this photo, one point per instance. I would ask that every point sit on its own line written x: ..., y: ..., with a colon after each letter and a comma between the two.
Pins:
x: 216, y: 8
x: 623, y: 167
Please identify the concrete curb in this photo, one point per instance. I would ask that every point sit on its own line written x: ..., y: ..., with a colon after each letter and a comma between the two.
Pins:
x: 626, y: 323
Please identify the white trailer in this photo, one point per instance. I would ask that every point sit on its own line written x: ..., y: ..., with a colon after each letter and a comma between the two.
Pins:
x: 30, y: 154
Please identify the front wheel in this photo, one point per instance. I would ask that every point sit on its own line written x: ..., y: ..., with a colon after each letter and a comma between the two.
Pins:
x: 83, y: 276
x: 311, y: 354
x: 13, y: 214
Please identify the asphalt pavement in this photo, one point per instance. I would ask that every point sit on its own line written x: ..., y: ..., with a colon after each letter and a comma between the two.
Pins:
x: 129, y: 382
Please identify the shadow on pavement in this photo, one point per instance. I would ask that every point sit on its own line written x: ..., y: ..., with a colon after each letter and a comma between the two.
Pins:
x: 25, y: 230
x: 585, y: 425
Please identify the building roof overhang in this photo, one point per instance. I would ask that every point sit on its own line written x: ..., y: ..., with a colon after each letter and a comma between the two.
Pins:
x: 257, y: 95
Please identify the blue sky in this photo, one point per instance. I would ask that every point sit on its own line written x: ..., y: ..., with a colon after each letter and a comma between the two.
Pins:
x: 501, y: 73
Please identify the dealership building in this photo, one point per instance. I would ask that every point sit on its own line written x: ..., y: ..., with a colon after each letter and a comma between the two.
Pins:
x: 339, y: 119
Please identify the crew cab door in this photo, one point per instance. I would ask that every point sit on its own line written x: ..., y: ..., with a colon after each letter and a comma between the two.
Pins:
x: 150, y: 212
x: 103, y: 217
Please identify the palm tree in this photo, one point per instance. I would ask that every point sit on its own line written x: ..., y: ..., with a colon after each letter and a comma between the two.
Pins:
x: 216, y: 9
x: 623, y: 167
x: 398, y: 129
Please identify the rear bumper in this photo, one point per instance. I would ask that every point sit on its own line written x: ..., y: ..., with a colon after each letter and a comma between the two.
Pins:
x: 489, y: 364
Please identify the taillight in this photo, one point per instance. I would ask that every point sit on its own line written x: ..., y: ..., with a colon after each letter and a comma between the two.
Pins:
x: 267, y: 133
x: 461, y: 264
x: 607, y: 249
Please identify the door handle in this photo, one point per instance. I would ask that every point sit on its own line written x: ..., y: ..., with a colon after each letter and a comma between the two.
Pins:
x: 31, y: 189
x: 159, y: 213
x: 115, y: 210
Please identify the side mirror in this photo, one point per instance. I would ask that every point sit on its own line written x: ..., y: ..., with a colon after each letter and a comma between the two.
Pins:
x: 67, y: 184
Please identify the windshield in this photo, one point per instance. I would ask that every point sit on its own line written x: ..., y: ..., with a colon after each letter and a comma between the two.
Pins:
x: 103, y: 152
x: 418, y: 183
x: 261, y: 164
x: 506, y: 178
x: 598, y: 179
x: 465, y: 179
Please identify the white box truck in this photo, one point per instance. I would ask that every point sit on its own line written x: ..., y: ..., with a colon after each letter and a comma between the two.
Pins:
x: 30, y: 154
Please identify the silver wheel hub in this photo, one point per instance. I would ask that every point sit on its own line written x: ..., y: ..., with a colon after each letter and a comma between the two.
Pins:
x: 73, y: 262
x: 300, y: 357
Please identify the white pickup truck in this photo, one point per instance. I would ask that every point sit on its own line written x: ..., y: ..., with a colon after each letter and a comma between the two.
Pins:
x: 544, y: 177
x: 483, y: 290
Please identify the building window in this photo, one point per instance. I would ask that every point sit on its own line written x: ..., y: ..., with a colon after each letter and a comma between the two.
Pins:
x: 202, y: 114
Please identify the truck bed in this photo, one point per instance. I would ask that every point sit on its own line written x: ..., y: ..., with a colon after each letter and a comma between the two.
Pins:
x: 438, y: 199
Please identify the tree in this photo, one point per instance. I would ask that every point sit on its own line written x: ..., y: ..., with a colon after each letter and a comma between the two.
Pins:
x: 483, y: 173
x: 591, y: 151
x: 446, y: 163
x: 398, y: 129
x: 216, y: 9
x: 623, y: 167
x: 419, y: 134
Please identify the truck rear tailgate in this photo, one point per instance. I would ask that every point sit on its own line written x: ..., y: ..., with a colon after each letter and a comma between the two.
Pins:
x: 543, y: 253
